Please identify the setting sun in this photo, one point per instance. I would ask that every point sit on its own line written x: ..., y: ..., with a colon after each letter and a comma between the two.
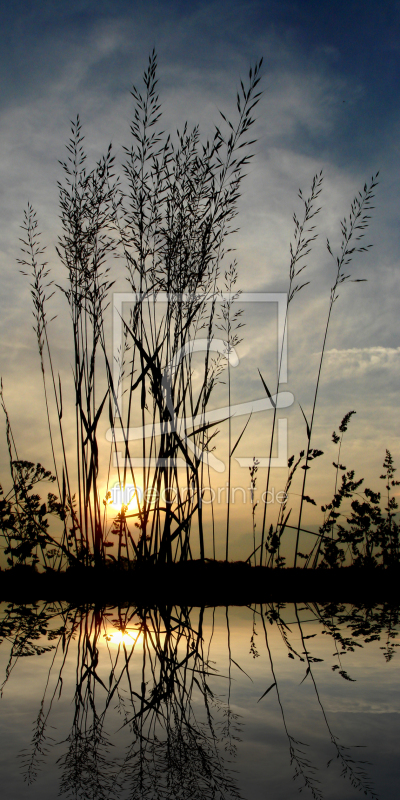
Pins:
x: 127, y: 497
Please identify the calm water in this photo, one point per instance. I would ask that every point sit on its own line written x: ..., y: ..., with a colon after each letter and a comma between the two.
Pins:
x: 192, y: 704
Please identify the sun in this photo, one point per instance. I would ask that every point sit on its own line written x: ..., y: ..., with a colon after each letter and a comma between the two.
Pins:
x: 127, y: 497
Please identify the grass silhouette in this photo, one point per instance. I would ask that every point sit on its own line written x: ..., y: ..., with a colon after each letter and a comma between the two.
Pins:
x: 169, y: 226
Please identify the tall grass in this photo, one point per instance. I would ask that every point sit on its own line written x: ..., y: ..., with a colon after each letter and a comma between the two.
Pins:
x: 173, y: 223
x: 169, y: 223
x: 167, y: 219
x: 352, y: 231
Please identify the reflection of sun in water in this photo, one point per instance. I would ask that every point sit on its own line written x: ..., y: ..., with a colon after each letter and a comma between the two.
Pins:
x: 129, y: 637
x: 134, y: 637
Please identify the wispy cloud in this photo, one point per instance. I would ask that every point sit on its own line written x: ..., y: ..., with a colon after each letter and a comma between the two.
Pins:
x: 361, y: 360
x: 313, y: 115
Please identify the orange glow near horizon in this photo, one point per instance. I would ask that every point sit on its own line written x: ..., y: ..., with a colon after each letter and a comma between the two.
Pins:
x: 126, y: 498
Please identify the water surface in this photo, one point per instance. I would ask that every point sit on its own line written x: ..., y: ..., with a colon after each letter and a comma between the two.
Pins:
x: 199, y: 703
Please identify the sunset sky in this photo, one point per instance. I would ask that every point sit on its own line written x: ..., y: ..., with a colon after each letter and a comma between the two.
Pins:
x: 330, y: 101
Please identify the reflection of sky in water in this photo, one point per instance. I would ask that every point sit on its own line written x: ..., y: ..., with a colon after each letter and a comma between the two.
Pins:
x: 362, y: 712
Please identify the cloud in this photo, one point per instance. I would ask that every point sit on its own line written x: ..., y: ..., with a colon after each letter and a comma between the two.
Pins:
x: 359, y: 361
x: 300, y: 128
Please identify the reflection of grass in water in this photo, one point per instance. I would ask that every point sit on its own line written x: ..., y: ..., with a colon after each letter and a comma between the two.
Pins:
x: 169, y: 752
x: 169, y: 224
x: 332, y: 617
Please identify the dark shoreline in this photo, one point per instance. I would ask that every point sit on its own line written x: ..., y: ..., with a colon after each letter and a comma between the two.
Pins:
x: 197, y: 584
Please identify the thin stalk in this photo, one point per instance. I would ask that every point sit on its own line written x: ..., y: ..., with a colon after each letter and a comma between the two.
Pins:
x: 358, y: 221
x: 303, y: 237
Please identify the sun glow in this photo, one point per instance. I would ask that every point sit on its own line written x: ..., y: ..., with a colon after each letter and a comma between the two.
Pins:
x: 134, y: 637
x: 128, y: 637
x: 125, y: 498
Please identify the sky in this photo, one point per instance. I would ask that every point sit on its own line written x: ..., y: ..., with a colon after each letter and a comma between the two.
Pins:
x: 330, y: 82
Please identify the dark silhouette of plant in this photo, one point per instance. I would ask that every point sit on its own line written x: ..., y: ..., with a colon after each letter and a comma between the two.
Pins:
x: 390, y: 542
x: 367, y: 537
x: 167, y: 218
x: 300, y: 248
x: 230, y: 324
x: 173, y: 224
x: 352, y: 233
x: 254, y: 503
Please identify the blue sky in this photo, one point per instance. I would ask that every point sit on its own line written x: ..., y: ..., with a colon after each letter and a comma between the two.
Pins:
x: 356, y: 41
x: 331, y: 88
